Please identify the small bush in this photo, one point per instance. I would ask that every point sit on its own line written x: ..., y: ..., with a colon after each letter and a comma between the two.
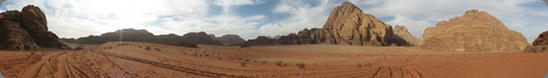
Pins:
x: 157, y: 49
x: 301, y: 65
x: 148, y: 48
x: 359, y: 65
x: 280, y: 63
x: 369, y: 65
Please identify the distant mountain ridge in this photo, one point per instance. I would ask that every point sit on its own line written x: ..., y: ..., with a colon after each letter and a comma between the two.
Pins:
x: 145, y: 36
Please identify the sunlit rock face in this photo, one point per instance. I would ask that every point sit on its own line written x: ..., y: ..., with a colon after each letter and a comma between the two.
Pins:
x: 474, y: 31
x: 346, y: 25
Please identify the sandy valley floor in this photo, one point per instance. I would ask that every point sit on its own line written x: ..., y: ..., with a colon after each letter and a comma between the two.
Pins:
x: 147, y: 60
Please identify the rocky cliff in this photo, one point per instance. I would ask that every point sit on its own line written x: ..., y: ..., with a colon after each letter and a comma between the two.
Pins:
x: 474, y: 31
x: 27, y: 30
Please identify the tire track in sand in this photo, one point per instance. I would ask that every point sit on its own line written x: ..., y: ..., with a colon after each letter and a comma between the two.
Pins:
x: 172, y: 67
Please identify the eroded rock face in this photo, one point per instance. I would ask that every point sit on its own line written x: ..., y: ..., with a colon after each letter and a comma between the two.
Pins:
x: 402, y: 32
x: 474, y: 31
x: 540, y: 44
x: 542, y: 39
x: 347, y: 25
x: 27, y: 30
x: 13, y: 37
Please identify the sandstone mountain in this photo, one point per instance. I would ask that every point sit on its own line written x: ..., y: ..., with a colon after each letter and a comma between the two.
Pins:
x: 189, y: 39
x: 230, y: 39
x: 474, y: 31
x: 346, y: 25
x: 27, y: 30
x: 402, y: 32
x: 540, y: 44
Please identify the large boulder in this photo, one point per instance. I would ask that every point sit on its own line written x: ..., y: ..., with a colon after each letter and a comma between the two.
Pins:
x: 540, y: 44
x: 27, y: 30
x: 474, y: 31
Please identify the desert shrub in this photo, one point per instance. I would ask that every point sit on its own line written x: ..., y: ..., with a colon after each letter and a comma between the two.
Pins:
x: 301, y: 65
x: 359, y: 65
x: 246, y: 60
x: 280, y: 63
x: 79, y: 48
x: 157, y: 49
x: 369, y: 65
x: 147, y: 48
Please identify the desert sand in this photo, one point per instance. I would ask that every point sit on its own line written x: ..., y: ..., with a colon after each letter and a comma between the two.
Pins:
x: 149, y: 60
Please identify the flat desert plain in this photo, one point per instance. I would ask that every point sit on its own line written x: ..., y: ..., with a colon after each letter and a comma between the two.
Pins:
x: 149, y: 60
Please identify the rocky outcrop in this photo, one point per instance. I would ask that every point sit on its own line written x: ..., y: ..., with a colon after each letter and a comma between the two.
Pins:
x: 347, y: 25
x: 133, y: 35
x: 27, y: 30
x: 200, y: 38
x: 260, y: 41
x: 402, y: 32
x: 540, y: 44
x: 542, y: 39
x: 474, y: 31
x: 230, y: 39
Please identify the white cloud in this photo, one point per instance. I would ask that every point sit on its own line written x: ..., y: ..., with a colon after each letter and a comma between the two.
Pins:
x: 78, y: 18
x: 301, y: 15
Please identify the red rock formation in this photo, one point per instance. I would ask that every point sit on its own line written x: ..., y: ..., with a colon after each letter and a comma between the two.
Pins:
x: 540, y: 44
x: 26, y: 29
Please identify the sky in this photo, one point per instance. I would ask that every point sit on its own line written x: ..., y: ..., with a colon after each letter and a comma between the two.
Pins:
x: 251, y: 18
